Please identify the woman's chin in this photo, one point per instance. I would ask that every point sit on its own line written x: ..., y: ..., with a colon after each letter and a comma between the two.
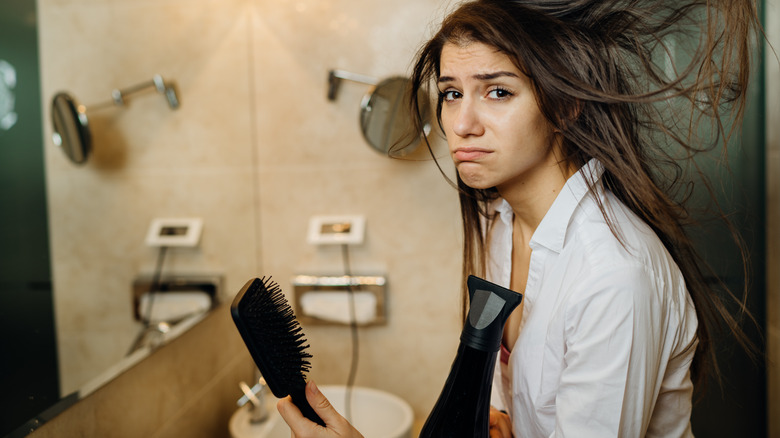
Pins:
x: 472, y: 176
x: 477, y: 183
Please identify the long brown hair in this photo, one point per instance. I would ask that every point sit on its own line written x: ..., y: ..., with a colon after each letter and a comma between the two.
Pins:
x: 604, y: 76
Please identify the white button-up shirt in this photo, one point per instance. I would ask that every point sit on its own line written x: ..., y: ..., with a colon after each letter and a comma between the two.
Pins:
x: 608, y: 330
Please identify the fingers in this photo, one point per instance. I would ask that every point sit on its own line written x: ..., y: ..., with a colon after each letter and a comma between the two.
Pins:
x: 500, y: 424
x: 300, y: 426
x: 292, y: 415
x: 324, y: 409
x: 319, y: 402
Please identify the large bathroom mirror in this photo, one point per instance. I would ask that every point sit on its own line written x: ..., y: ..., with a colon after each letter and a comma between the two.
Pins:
x: 238, y: 138
x: 386, y: 120
x: 74, y: 263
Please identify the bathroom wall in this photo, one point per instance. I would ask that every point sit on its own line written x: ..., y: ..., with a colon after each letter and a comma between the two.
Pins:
x: 256, y: 149
x: 166, y: 396
x: 313, y: 160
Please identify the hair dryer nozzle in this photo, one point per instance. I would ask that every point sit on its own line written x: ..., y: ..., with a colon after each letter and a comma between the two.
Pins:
x: 491, y: 305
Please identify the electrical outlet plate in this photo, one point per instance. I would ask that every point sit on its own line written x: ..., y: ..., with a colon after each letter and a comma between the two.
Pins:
x: 175, y: 232
x: 337, y: 230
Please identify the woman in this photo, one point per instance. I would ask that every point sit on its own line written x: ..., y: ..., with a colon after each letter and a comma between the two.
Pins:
x: 562, y: 119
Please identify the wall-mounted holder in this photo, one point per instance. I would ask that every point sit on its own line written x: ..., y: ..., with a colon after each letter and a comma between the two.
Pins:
x: 181, y: 232
x: 326, y: 300
x: 336, y: 76
x: 176, y: 297
x: 337, y: 230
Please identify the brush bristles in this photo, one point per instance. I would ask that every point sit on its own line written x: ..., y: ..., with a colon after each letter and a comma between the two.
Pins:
x: 279, y: 338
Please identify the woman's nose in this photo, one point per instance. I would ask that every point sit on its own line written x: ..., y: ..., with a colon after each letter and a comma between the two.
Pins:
x: 467, y: 119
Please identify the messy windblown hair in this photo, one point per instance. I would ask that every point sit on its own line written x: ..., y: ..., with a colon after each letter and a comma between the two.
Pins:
x: 607, y: 75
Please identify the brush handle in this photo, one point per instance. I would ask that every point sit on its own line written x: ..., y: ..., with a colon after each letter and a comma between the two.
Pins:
x: 298, y: 395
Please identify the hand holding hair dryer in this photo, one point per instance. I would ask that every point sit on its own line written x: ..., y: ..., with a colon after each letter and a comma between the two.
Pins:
x: 463, y: 408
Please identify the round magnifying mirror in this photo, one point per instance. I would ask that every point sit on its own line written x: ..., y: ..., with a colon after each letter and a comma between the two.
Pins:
x: 71, y: 127
x: 385, y: 118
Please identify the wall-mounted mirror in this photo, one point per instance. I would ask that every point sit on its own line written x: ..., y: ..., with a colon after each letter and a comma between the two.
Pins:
x: 207, y: 159
x: 70, y: 123
x: 71, y: 127
x: 385, y: 119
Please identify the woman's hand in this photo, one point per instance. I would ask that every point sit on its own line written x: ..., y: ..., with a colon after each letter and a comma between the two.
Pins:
x: 500, y: 424
x: 302, y: 427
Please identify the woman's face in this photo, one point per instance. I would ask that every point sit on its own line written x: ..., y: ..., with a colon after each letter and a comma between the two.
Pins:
x: 496, y: 132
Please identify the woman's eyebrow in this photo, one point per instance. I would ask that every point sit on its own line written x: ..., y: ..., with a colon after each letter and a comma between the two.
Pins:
x: 498, y: 74
x: 482, y: 76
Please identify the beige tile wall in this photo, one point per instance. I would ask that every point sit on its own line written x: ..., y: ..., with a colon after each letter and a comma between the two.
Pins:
x: 255, y: 150
x: 166, y: 395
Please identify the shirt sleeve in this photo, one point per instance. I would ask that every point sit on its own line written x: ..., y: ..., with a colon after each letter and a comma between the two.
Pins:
x: 613, y: 350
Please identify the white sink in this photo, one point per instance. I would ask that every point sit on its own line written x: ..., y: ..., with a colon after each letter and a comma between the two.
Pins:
x: 376, y: 414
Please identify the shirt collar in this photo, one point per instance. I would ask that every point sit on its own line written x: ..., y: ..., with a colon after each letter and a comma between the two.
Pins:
x: 504, y: 210
x: 551, y: 232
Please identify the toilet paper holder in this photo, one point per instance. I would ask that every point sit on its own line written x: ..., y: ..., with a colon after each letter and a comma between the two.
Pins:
x: 325, y: 299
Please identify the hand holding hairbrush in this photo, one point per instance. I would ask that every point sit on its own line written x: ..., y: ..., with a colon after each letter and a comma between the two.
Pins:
x: 275, y: 340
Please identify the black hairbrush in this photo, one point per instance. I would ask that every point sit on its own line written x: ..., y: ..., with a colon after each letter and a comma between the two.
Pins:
x: 275, y: 340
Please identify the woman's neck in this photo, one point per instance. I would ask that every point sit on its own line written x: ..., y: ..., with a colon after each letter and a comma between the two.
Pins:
x: 531, y: 198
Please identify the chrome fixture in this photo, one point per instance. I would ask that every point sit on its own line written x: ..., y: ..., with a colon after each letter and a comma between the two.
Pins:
x: 326, y: 299
x: 167, y: 89
x: 336, y: 76
x: 256, y: 396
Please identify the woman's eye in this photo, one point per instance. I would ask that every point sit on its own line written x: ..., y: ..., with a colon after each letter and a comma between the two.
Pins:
x: 449, y: 95
x: 499, y: 93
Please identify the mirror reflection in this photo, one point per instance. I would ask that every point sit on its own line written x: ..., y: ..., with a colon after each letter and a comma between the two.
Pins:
x: 386, y: 119
x: 83, y: 296
x: 71, y: 127
x: 254, y: 151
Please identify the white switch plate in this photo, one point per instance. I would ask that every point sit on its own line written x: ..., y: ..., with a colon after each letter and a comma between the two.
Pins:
x: 337, y: 230
x: 175, y: 232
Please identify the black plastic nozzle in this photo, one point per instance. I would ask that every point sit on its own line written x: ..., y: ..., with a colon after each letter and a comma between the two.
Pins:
x: 491, y: 305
